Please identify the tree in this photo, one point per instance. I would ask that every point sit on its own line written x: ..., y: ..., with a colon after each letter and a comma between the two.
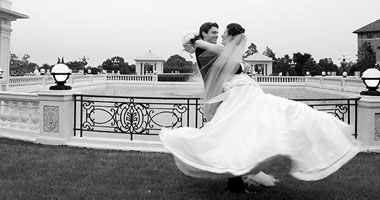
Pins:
x: 47, y: 67
x: 251, y: 50
x: 366, y: 57
x: 300, y: 60
x: 269, y: 52
x: 327, y: 65
x: 283, y: 65
x: 131, y: 69
x: 25, y: 59
x: 117, y: 64
x: 76, y: 65
x: 178, y: 63
x: 19, y: 67
x: 312, y: 67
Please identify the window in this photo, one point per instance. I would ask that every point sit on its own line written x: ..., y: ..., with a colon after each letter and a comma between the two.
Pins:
x: 369, y: 35
x: 378, y: 34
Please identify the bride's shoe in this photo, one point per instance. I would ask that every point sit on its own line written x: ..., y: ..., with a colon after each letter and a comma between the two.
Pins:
x: 260, y: 178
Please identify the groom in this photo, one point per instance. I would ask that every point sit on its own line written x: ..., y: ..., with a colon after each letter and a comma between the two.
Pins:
x: 209, y: 33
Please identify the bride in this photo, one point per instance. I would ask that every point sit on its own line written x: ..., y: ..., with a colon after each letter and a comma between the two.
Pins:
x: 250, y: 130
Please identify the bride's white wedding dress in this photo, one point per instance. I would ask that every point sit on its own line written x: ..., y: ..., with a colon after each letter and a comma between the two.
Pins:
x: 251, y: 129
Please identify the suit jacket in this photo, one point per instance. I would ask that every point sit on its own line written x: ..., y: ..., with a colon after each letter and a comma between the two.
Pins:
x: 205, y: 60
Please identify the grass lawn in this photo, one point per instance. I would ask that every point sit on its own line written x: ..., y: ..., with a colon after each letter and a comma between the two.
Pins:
x: 33, y: 171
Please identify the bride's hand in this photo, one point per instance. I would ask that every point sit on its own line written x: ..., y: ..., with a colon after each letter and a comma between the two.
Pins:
x: 189, y: 48
x: 189, y: 38
x: 188, y: 42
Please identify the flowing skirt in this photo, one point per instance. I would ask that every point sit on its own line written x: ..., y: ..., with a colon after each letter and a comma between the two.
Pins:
x: 251, y: 130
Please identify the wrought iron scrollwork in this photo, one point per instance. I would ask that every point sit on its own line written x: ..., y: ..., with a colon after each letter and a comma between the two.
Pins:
x: 203, y: 118
x: 340, y: 111
x: 89, y: 108
x: 131, y: 117
x: 178, y: 111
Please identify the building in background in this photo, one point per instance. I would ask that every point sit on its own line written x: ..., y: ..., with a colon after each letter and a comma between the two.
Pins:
x: 371, y: 34
x: 6, y: 17
x: 149, y: 63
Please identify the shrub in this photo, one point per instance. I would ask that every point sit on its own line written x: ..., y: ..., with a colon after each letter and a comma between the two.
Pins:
x: 174, y: 77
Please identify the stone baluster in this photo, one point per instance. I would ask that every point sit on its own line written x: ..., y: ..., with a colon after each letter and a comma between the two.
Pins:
x: 34, y: 116
x: 24, y: 114
x: 7, y: 113
x: 13, y: 114
x: 2, y: 112
x: 16, y: 114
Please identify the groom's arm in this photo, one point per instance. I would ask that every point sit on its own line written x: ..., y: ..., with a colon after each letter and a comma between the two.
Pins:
x: 214, y: 48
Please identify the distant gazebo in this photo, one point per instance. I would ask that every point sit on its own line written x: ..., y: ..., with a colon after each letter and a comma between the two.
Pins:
x: 149, y: 63
x: 265, y: 63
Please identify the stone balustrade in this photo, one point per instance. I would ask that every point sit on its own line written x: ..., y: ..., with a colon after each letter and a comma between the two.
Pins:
x: 276, y: 80
x: 29, y: 81
x: 46, y: 116
x: 131, y: 77
x: 350, y: 84
x: 19, y: 115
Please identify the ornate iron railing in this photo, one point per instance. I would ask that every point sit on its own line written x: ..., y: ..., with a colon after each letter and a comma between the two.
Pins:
x: 345, y: 109
x: 134, y: 115
x: 148, y: 115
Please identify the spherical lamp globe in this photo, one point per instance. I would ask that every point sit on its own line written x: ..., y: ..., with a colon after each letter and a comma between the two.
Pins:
x: 60, y: 74
x: 371, y: 79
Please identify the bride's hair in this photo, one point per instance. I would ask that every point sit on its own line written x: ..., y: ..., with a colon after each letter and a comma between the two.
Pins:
x: 235, y: 29
x: 225, y: 66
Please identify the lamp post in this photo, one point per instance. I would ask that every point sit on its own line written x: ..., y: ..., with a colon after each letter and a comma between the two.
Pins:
x: 344, y: 59
x: 1, y: 73
x: 371, y: 79
x: 60, y: 74
x: 42, y: 71
x: 115, y: 64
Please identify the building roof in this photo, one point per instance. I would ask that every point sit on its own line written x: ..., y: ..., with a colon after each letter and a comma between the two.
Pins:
x: 11, y: 15
x: 149, y: 56
x: 372, y: 27
x: 258, y: 57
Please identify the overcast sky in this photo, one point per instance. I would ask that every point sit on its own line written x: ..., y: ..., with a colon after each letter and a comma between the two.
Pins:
x: 101, y: 29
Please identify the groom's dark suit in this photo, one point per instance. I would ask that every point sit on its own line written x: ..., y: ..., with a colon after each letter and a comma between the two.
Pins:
x: 205, y: 60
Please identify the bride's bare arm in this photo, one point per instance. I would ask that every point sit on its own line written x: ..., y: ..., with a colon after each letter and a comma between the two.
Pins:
x: 215, y: 48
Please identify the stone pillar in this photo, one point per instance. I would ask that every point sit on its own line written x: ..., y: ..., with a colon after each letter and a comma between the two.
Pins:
x: 6, y: 16
x: 3, y: 85
x: 369, y: 122
x: 5, y: 38
x: 56, y: 118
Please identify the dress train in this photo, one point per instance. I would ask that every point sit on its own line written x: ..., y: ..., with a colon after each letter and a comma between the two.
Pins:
x: 252, y: 130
